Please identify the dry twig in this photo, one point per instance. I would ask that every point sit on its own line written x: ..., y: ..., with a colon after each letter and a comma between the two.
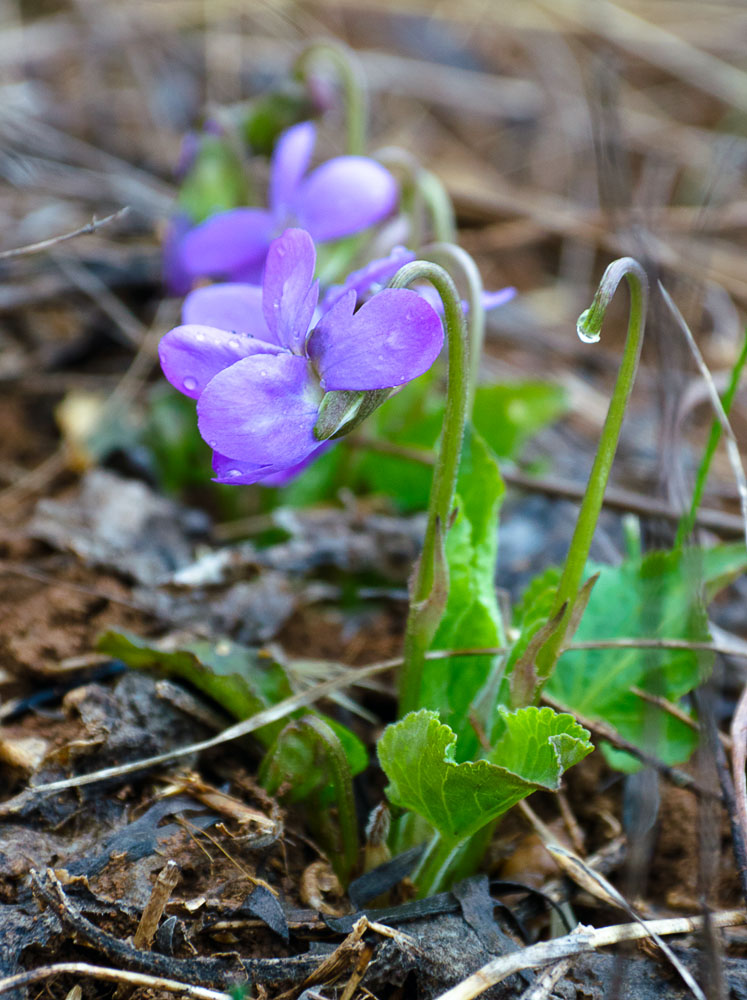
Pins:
x: 112, y: 976
x: 582, y: 939
x: 90, y: 227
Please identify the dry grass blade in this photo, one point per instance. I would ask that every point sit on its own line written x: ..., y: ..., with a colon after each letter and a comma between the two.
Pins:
x: 739, y: 759
x: 133, y: 979
x: 272, y: 714
x: 731, y: 442
x: 582, y: 939
x: 646, y: 39
x: 598, y: 885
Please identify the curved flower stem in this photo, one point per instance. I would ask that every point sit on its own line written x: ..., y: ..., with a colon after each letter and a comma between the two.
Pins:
x: 588, y: 328
x: 353, y: 81
x: 424, y: 197
x: 455, y: 258
x: 430, y: 585
x: 440, y: 207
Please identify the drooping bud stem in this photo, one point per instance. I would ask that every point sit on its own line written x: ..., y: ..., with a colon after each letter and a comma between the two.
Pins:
x: 439, y: 206
x: 456, y: 259
x: 427, y: 601
x: 425, y: 200
x: 353, y: 82
x: 588, y: 327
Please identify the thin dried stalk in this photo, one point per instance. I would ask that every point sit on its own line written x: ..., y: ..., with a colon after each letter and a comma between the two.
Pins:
x: 112, y: 975
x: 582, y: 939
x: 731, y: 442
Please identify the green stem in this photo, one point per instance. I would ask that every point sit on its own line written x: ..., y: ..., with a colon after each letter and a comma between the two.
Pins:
x: 424, y: 198
x: 353, y: 81
x: 426, y: 606
x: 439, y: 205
x: 457, y: 259
x: 687, y: 521
x: 588, y: 328
x: 435, y: 866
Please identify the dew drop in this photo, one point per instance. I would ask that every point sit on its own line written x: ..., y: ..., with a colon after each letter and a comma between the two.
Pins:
x: 190, y: 384
x: 263, y: 372
x: 234, y: 343
x: 199, y: 336
x: 233, y: 473
x: 582, y: 329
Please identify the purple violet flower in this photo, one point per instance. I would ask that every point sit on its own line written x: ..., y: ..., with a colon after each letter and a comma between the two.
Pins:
x: 339, y: 198
x: 259, y: 363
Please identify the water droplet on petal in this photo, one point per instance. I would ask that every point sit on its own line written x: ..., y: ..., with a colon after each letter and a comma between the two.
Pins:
x: 190, y: 384
x: 199, y: 336
x: 234, y: 343
x: 263, y: 372
x: 233, y: 473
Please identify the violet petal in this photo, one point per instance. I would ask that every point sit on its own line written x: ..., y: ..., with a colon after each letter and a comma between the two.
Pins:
x: 192, y: 355
x: 285, y: 476
x: 177, y: 280
x: 236, y: 473
x: 289, y: 292
x: 343, y: 196
x: 491, y: 300
x: 227, y: 244
x: 230, y: 306
x: 369, y: 277
x: 290, y: 161
x: 393, y: 338
x: 262, y: 410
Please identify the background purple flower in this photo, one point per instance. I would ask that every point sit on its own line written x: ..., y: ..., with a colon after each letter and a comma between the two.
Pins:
x: 258, y: 364
x: 341, y: 197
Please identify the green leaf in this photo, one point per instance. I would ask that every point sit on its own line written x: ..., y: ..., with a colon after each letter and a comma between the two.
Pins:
x: 241, y: 679
x: 216, y: 181
x: 180, y: 456
x: 508, y: 415
x: 472, y: 616
x: 659, y: 596
x: 308, y: 761
x: 412, y: 419
x: 458, y: 799
x: 267, y: 116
